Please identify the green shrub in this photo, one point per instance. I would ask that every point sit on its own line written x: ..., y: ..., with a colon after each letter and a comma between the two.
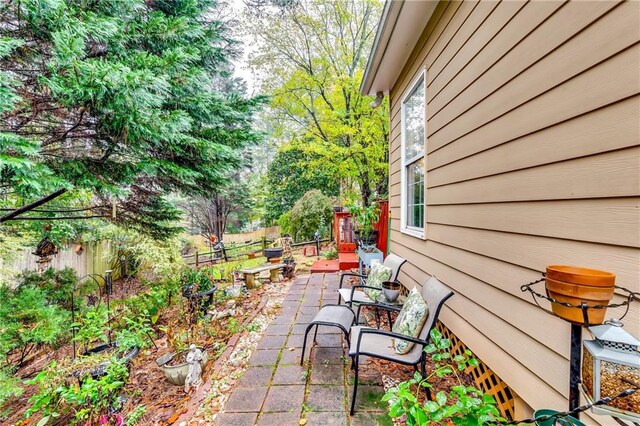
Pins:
x: 56, y: 285
x: 10, y: 386
x: 313, y: 212
x: 60, y: 393
x: 28, y: 321
x: 91, y: 327
x: 462, y: 405
x: 137, y: 333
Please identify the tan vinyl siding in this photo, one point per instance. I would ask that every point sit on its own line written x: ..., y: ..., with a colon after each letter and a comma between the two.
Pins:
x: 533, y: 158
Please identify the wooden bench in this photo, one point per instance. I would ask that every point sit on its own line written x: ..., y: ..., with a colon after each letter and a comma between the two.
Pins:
x: 250, y: 274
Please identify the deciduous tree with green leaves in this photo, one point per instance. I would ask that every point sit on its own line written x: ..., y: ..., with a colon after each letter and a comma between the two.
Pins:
x: 311, y: 56
x: 291, y: 174
x: 117, y: 98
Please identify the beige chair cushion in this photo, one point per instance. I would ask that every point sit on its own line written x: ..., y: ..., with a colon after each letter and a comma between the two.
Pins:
x: 410, y: 320
x: 378, y: 274
x: 381, y: 346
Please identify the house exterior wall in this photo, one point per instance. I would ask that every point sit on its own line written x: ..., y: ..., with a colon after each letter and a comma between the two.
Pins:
x: 533, y: 158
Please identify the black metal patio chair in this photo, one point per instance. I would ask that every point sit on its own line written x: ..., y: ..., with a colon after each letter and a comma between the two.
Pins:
x: 378, y: 343
x: 354, y: 295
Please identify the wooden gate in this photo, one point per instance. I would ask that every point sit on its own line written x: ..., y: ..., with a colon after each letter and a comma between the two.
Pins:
x: 343, y: 231
x: 345, y: 238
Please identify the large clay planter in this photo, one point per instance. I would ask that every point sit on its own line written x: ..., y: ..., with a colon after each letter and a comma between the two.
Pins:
x: 575, y: 285
x: 177, y: 374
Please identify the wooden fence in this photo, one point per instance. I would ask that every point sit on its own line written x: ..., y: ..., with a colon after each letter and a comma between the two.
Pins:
x: 235, y: 251
x: 94, y: 259
x: 270, y: 233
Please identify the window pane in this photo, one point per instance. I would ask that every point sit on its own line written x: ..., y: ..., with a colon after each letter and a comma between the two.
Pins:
x: 414, y: 122
x: 415, y: 194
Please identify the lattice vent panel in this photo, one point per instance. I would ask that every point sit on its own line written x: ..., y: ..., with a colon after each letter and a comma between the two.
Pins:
x: 485, y: 379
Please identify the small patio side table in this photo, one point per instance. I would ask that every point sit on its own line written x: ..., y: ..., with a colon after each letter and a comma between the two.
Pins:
x: 341, y: 316
x: 387, y: 305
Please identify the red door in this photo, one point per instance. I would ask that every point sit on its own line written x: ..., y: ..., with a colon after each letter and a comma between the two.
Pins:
x: 343, y: 231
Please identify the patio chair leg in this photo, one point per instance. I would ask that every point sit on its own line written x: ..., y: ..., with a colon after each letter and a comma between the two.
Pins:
x: 355, y: 386
x: 389, y: 319
x: 358, y: 315
x: 315, y: 334
x: 304, y: 342
x: 377, y: 317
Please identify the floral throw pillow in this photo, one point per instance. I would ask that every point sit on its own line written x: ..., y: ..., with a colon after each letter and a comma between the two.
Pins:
x: 410, y: 320
x: 378, y: 274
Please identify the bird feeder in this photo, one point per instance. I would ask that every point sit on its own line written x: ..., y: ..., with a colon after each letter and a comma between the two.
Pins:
x: 610, y: 365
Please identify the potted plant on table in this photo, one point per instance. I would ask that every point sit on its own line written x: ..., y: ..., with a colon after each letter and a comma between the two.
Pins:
x: 364, y: 218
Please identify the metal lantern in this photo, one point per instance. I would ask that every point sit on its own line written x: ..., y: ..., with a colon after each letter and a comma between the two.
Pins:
x: 611, y: 364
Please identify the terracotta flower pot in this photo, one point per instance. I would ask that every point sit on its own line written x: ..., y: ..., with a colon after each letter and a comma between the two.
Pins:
x: 575, y: 285
x: 578, y: 275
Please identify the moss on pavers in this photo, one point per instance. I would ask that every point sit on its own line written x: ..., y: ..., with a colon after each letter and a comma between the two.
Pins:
x: 293, y: 356
x: 327, y: 374
x: 272, y: 342
x: 248, y: 399
x: 324, y: 356
x: 263, y: 357
x: 369, y: 398
x: 296, y: 340
x: 256, y: 376
x: 278, y: 330
x: 329, y: 340
x: 284, y: 398
x: 235, y: 419
x: 326, y: 398
x: 326, y: 419
x: 290, y: 375
x: 279, y: 419
x: 361, y: 418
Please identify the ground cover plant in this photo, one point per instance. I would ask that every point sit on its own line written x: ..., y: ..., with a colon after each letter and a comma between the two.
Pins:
x: 52, y: 385
x: 461, y: 404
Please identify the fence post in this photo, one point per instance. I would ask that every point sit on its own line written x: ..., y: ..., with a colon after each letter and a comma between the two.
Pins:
x: 196, y: 259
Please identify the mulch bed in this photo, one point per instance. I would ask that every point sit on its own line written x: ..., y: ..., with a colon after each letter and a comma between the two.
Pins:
x: 147, y: 384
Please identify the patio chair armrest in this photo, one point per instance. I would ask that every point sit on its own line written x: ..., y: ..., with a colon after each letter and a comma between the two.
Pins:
x: 353, y: 289
x: 350, y: 274
x: 364, y: 331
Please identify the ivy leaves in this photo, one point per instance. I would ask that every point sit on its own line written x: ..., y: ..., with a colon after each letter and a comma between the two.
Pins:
x: 463, y: 405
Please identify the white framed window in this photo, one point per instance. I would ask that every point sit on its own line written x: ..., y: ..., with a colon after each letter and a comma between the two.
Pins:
x: 413, y: 128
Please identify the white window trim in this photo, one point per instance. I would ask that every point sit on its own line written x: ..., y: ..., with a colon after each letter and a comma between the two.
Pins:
x: 404, y: 162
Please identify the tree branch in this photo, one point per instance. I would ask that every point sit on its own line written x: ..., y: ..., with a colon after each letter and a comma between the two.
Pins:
x: 32, y: 206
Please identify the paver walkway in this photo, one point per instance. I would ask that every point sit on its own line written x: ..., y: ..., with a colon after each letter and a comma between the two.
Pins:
x: 276, y: 390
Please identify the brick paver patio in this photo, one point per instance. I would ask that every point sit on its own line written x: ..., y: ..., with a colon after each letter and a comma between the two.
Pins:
x: 276, y: 390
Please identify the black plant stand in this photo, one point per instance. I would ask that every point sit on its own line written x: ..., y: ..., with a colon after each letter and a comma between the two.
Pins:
x: 576, y: 336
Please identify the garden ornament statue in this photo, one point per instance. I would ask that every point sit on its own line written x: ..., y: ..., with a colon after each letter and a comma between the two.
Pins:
x: 194, y: 376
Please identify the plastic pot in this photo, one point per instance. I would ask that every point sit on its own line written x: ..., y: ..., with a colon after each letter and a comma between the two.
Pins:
x: 177, y: 374
x: 101, y: 369
x: 273, y: 252
x: 563, y: 421
x: 369, y: 240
